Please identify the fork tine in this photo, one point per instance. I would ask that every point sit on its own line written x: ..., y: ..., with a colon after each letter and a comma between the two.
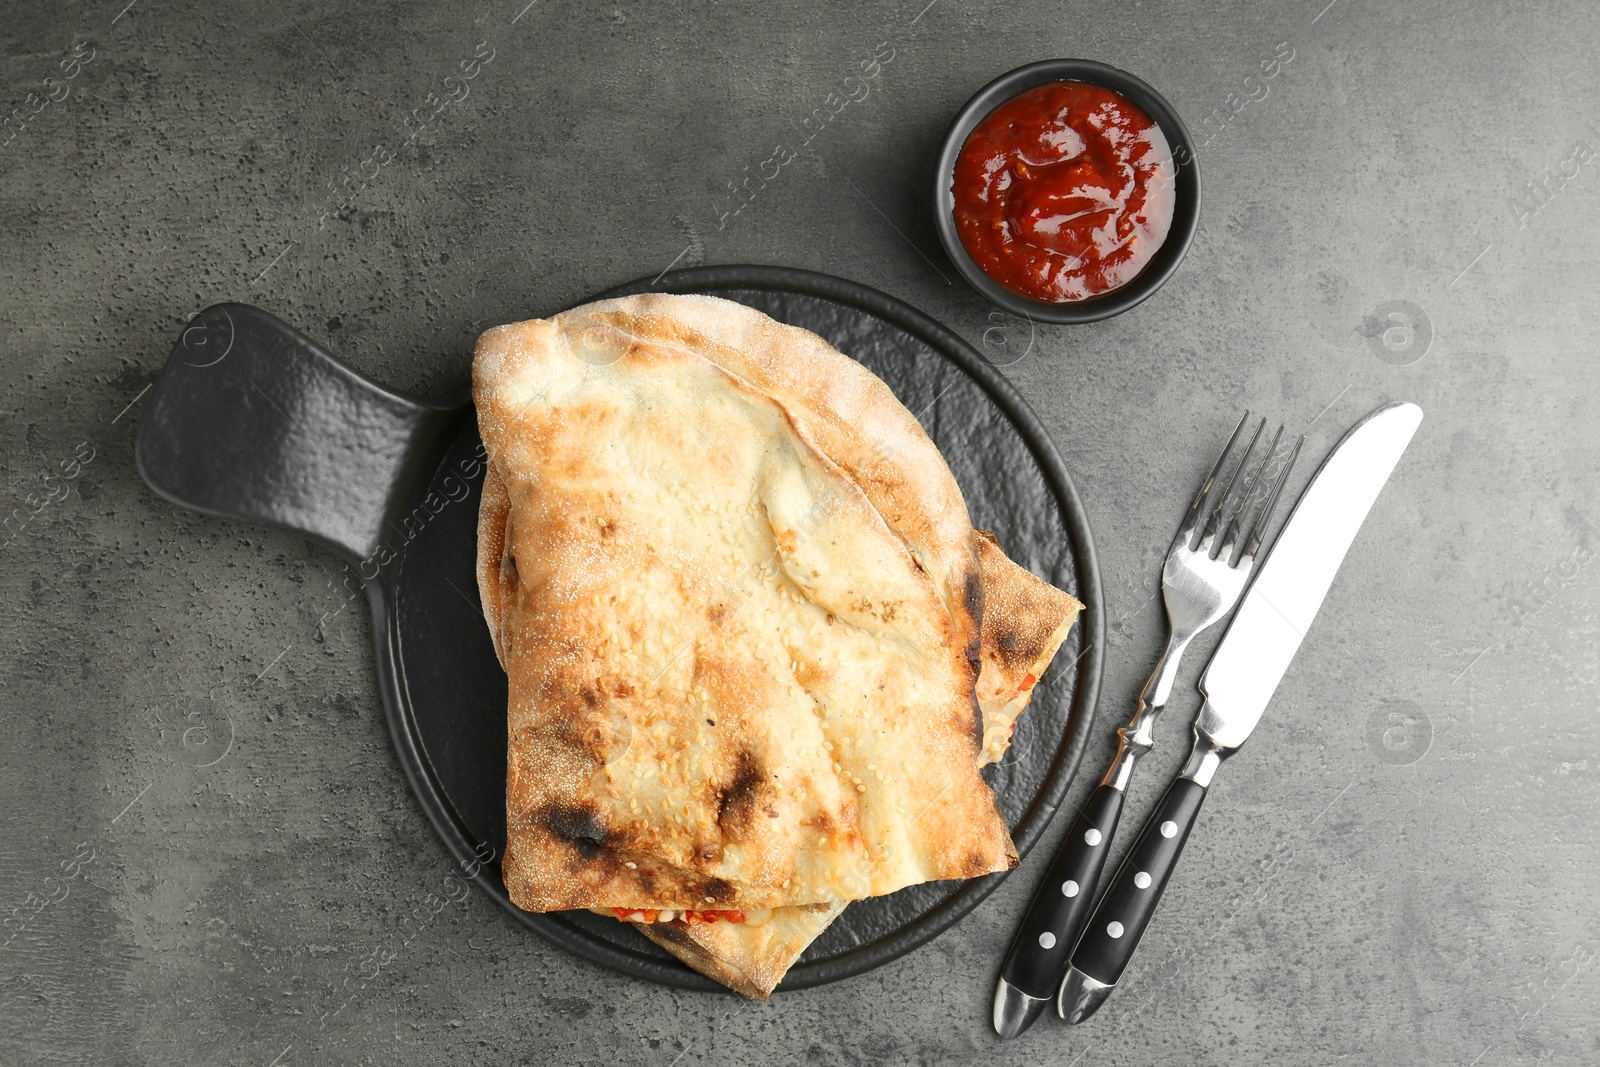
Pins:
x: 1231, y: 539
x: 1217, y: 523
x: 1198, y: 508
x: 1258, y: 528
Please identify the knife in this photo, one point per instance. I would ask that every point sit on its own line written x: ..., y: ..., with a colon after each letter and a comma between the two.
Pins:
x: 1237, y: 684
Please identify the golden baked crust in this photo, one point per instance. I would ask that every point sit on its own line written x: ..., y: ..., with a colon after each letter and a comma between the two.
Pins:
x: 736, y: 594
x: 749, y: 957
x: 1025, y: 621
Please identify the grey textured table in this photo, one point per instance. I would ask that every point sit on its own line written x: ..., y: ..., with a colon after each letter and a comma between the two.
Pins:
x: 209, y: 855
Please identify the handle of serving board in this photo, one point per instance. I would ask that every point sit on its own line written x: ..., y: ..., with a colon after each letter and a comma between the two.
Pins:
x: 253, y: 420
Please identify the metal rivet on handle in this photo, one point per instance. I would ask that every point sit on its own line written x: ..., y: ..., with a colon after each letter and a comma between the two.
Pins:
x: 1169, y: 828
x: 1069, y: 888
x: 1142, y: 880
x: 1047, y: 940
x: 1115, y: 930
x: 1092, y: 836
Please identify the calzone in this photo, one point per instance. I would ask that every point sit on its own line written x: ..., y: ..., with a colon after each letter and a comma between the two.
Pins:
x: 739, y: 603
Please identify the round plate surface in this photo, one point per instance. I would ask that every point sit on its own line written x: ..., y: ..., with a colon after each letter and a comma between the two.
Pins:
x: 446, y: 693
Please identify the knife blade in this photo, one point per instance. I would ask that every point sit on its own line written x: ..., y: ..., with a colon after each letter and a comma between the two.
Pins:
x: 1238, y: 683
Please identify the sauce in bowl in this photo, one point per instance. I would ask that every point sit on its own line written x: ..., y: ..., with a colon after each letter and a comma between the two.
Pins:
x: 1064, y: 192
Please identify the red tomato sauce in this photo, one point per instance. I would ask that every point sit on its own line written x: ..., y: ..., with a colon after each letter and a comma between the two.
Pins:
x: 691, y: 918
x: 1064, y: 192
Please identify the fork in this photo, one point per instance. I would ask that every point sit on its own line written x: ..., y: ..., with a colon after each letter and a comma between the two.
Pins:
x: 1200, y: 582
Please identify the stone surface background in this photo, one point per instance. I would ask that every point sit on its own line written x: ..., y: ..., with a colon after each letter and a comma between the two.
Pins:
x: 208, y: 853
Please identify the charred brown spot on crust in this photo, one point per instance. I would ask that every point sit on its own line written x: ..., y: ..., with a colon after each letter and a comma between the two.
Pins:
x: 652, y: 884
x: 674, y: 932
x: 738, y: 799
x: 972, y: 594
x: 608, y: 529
x: 1018, y: 642
x: 585, y: 827
x: 822, y: 822
x: 591, y: 695
x: 718, y: 890
x: 972, y: 597
x: 716, y: 612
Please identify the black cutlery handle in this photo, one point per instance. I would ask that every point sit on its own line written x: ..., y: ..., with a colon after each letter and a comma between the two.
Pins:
x: 1125, y: 910
x: 1039, y: 953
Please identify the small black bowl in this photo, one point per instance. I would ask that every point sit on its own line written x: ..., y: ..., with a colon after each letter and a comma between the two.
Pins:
x: 1186, y: 197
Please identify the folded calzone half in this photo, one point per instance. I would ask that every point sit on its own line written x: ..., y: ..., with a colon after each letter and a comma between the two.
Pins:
x: 1025, y: 620
x: 739, y: 603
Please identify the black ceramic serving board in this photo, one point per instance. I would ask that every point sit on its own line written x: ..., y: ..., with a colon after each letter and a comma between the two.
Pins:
x: 253, y: 420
